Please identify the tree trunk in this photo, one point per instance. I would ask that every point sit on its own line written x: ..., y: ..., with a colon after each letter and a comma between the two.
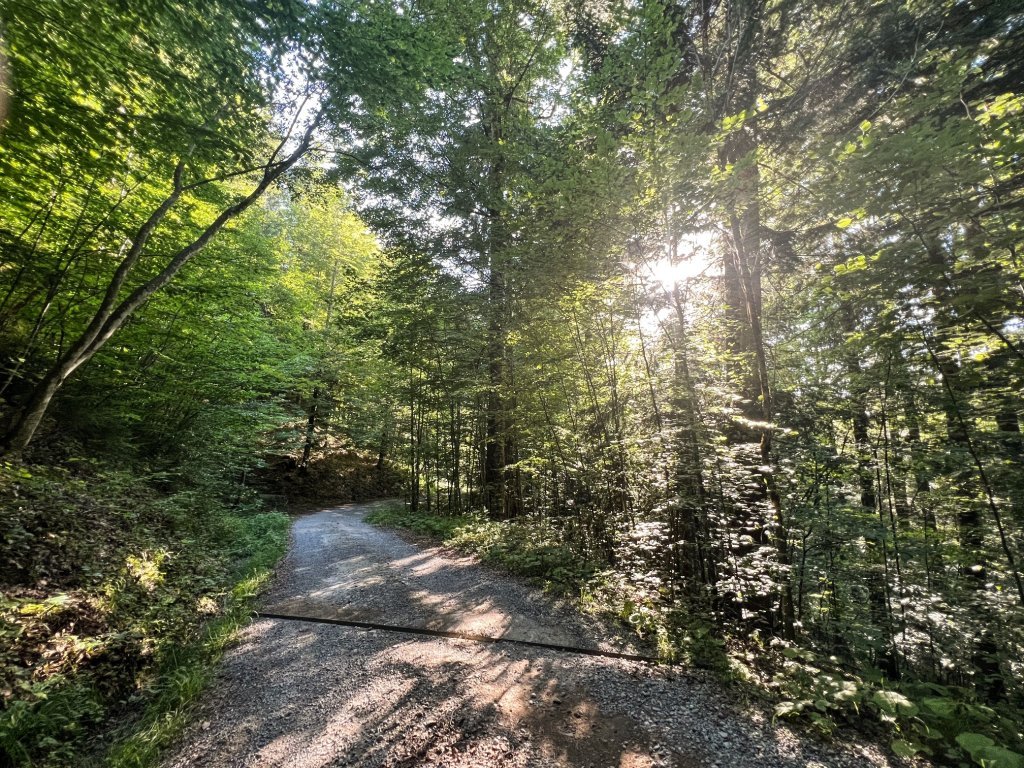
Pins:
x: 742, y: 272
x: 307, y: 448
x: 110, y: 316
x: 493, y: 480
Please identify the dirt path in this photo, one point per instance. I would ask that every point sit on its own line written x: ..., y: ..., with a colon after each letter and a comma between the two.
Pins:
x: 305, y: 695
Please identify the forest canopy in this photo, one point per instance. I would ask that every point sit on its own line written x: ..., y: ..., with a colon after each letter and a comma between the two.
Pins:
x: 722, y: 302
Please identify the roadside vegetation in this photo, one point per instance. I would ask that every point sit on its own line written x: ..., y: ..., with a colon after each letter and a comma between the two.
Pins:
x: 708, y: 311
x: 799, y: 683
x: 118, y: 599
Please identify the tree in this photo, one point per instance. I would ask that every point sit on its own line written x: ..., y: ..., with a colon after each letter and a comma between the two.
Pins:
x: 135, y: 124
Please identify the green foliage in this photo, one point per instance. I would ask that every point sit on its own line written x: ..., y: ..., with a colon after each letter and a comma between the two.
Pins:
x: 53, y: 720
x: 944, y: 723
x: 257, y: 542
x: 115, y: 598
x: 521, y: 547
x: 134, y: 538
x: 398, y: 516
x: 712, y: 310
x: 986, y: 753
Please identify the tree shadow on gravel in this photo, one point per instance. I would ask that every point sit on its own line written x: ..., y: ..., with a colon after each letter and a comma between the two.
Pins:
x: 309, y: 696
x: 341, y: 568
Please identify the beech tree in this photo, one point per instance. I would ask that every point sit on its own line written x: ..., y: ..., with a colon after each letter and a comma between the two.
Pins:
x: 712, y: 309
x: 177, y: 106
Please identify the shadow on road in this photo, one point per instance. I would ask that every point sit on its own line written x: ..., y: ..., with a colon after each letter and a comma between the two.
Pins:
x: 307, y: 695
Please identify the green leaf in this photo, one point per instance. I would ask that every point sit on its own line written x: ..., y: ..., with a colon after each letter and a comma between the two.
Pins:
x: 848, y: 692
x: 788, y: 708
x: 943, y: 708
x: 998, y: 757
x: 904, y: 748
x: 844, y: 222
x: 973, y: 742
x: 894, y: 703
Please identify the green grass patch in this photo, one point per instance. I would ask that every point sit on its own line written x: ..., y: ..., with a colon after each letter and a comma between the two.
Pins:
x: 397, y: 515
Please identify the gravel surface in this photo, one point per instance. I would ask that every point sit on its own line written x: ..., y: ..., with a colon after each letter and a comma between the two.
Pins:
x: 307, y: 695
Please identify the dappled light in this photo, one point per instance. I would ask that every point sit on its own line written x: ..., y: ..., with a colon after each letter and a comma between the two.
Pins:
x: 675, y: 331
x: 689, y: 257
x: 309, y: 695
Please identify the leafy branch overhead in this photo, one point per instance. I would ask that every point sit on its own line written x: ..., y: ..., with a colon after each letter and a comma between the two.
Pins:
x: 709, y: 313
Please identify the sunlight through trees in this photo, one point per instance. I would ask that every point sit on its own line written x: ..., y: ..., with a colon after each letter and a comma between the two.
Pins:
x: 724, y: 297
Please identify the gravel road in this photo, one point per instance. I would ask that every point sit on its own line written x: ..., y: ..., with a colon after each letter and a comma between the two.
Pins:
x: 299, y: 694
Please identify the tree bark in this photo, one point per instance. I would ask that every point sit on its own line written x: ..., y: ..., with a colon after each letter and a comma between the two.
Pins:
x: 112, y: 315
x: 307, y: 448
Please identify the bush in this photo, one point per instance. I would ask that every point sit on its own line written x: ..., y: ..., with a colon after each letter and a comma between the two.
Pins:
x: 116, y: 598
x: 945, y: 723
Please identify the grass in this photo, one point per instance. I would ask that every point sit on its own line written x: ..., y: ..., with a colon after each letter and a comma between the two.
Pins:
x: 185, y: 674
x: 117, y: 602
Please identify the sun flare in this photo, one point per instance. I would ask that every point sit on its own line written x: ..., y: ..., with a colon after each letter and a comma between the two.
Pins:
x: 691, y: 258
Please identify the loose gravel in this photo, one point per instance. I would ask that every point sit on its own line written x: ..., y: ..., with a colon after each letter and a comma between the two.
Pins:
x: 307, y: 695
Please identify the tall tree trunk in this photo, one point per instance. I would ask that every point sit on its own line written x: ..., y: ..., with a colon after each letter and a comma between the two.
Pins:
x: 742, y: 273
x: 307, y: 448
x: 687, y: 521
x: 495, y: 459
x: 500, y: 445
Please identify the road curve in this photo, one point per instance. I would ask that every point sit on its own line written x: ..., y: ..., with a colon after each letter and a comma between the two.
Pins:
x: 295, y: 694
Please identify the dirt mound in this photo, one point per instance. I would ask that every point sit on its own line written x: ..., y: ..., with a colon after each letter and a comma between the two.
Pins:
x: 338, y: 477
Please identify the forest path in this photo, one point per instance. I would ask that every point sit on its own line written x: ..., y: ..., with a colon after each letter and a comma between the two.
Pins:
x: 300, y: 694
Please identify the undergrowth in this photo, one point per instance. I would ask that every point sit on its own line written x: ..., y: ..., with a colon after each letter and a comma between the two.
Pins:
x: 524, y: 547
x: 945, y: 723
x: 534, y: 548
x: 119, y: 594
